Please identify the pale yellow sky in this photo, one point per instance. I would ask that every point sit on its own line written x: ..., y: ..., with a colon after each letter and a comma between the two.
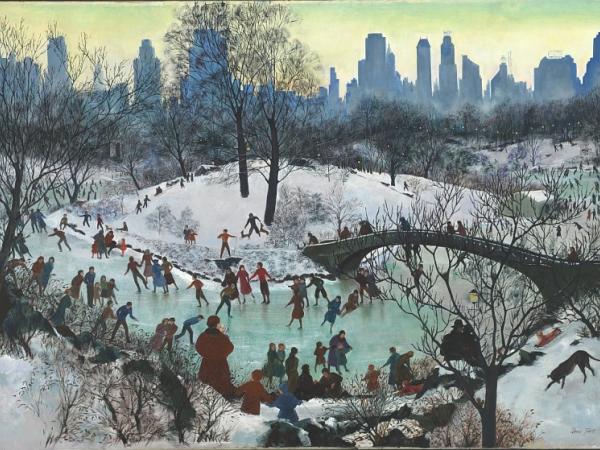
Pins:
x: 485, y: 30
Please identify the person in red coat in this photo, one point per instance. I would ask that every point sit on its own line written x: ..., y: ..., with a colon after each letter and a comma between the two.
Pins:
x: 298, y: 311
x: 253, y: 394
x: 244, y: 280
x: 214, y: 346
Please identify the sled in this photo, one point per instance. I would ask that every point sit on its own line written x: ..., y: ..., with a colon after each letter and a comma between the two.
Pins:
x: 227, y: 262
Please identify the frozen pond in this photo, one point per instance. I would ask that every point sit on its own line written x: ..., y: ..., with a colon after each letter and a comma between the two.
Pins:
x: 371, y: 329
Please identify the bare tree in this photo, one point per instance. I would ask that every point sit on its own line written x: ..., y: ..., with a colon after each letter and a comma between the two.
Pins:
x: 282, y: 107
x: 396, y: 126
x: 339, y: 208
x: 509, y: 303
x: 176, y: 131
x: 34, y: 150
x: 214, y: 52
x: 132, y: 156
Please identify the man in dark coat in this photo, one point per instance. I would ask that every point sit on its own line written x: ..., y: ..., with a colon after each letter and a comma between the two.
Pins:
x: 214, y: 346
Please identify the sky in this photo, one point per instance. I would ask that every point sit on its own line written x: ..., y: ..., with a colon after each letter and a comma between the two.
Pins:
x: 485, y: 30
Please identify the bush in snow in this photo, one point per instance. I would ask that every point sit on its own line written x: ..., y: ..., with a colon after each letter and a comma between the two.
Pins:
x: 372, y: 410
x: 161, y: 219
x: 187, y: 218
x: 341, y: 210
x: 291, y: 218
x: 464, y: 429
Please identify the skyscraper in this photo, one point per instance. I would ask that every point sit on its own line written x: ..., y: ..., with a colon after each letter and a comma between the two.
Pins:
x: 352, y: 92
x: 374, y: 70
x: 206, y: 59
x: 57, y: 61
x: 423, y: 70
x: 591, y: 79
x: 470, y: 84
x: 146, y: 72
x: 555, y: 79
x: 503, y: 87
x: 334, y: 88
x: 448, y: 75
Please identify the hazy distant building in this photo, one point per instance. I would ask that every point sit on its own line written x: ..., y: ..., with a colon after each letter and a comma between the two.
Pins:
x: 146, y: 73
x: 502, y: 86
x: 470, y: 84
x: 423, y: 70
x: 206, y: 60
x: 372, y: 69
x: 334, y: 88
x: 591, y: 78
x: 58, y: 61
x: 555, y: 79
x: 352, y: 92
x: 448, y: 89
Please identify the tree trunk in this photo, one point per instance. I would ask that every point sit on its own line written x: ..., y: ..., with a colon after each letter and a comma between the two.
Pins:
x: 7, y: 243
x: 182, y: 167
x: 73, y: 195
x: 273, y: 177
x: 488, y: 415
x: 242, y: 157
x: 135, y: 181
x: 393, y: 174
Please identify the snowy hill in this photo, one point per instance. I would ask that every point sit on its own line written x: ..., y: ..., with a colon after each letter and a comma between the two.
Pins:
x: 209, y: 205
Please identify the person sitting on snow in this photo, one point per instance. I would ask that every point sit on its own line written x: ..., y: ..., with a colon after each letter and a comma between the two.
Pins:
x: 286, y: 402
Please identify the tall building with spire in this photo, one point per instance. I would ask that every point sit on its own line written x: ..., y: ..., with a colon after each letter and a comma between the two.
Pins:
x: 146, y: 74
x: 470, y: 84
x: 423, y: 70
x: 448, y: 92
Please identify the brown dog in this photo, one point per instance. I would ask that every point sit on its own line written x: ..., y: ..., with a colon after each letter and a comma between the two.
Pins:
x: 580, y: 358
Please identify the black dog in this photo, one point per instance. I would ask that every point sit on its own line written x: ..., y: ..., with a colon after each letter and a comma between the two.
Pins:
x: 580, y: 358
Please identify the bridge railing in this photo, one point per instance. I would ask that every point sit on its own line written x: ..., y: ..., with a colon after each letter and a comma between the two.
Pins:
x: 470, y: 244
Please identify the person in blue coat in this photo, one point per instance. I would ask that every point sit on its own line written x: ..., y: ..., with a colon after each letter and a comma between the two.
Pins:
x: 48, y: 268
x: 333, y: 310
x: 286, y: 403
x: 391, y: 361
x: 41, y: 223
x: 338, y: 347
x: 158, y: 279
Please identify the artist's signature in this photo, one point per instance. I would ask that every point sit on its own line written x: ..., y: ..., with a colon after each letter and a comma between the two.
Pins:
x: 585, y: 430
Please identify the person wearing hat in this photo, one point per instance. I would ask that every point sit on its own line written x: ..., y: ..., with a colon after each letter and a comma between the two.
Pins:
x: 253, y: 393
x: 214, y: 346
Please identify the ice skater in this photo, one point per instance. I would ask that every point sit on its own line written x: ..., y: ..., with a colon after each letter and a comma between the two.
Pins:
x: 132, y: 266
x: 263, y: 277
x: 62, y: 238
x: 198, y: 285
x: 298, y: 310
x: 187, y: 327
x: 224, y: 236
x: 333, y: 310
x: 226, y: 297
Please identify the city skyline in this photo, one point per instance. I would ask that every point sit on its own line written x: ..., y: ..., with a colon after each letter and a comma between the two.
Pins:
x: 485, y: 31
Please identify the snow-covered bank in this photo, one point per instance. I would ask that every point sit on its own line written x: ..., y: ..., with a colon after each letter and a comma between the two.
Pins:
x: 568, y: 417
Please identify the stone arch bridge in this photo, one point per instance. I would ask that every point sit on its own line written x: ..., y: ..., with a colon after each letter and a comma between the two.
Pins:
x: 555, y: 277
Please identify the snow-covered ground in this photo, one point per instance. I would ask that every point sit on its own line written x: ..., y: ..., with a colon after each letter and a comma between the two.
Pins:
x: 213, y: 206
x: 568, y: 417
x: 567, y: 156
x: 371, y: 329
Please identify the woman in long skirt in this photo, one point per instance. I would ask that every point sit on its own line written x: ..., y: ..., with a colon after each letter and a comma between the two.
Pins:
x: 244, y: 281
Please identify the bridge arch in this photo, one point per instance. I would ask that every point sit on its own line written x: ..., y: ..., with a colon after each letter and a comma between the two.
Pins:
x: 554, y: 276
